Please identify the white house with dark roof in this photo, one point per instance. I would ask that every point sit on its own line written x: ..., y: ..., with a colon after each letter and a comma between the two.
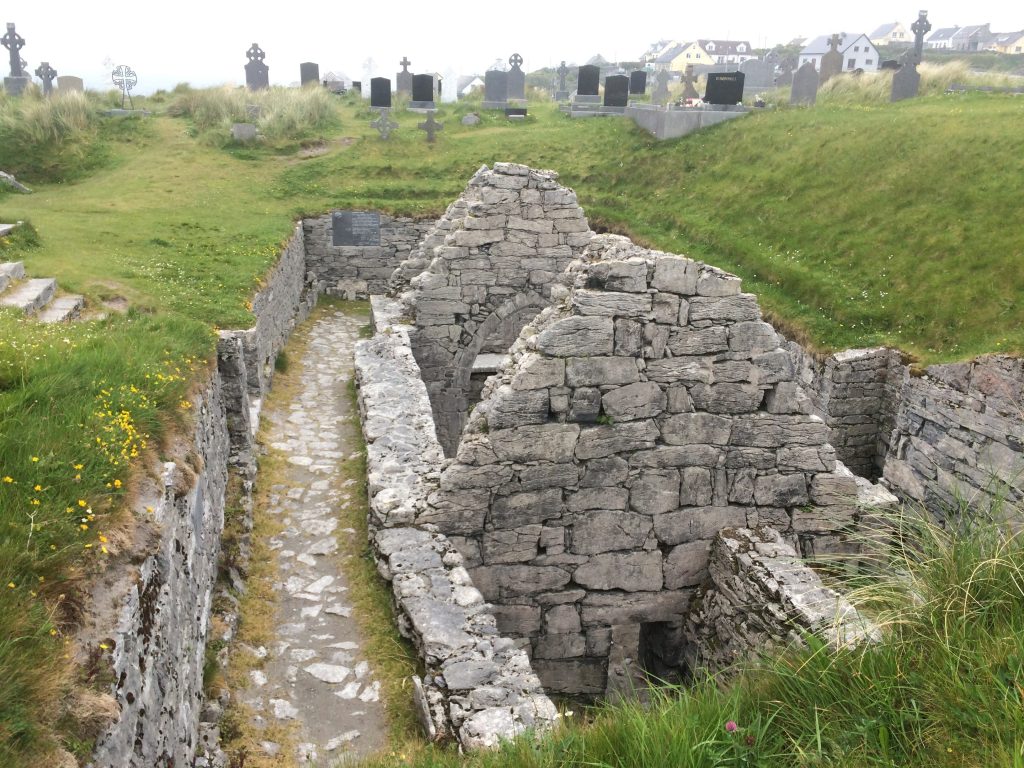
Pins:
x: 971, y: 38
x: 941, y: 38
x: 891, y: 34
x: 727, y: 51
x: 857, y: 50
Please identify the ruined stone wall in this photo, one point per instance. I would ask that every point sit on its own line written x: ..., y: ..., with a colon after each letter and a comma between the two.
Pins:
x: 856, y: 392
x: 504, y: 246
x: 478, y: 686
x: 960, y: 435
x: 358, y: 272
x: 760, y: 597
x: 642, y: 414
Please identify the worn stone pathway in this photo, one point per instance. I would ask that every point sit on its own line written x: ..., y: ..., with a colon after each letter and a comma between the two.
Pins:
x: 316, y: 674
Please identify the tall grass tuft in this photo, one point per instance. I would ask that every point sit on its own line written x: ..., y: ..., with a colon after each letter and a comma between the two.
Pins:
x: 876, y: 87
x: 47, y: 139
x: 283, y: 113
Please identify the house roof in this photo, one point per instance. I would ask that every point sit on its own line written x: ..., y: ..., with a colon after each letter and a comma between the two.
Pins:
x: 725, y: 47
x: 667, y: 56
x: 1002, y: 38
x: 598, y: 60
x: 946, y: 33
x: 820, y: 45
x: 656, y: 49
x: 884, y: 31
x: 970, y: 31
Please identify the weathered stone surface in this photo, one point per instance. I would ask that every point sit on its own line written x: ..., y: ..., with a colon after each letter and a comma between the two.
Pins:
x: 591, y: 371
x: 632, y: 572
x: 696, y: 428
x: 560, y: 646
x: 597, y: 498
x: 606, y: 472
x: 578, y: 676
x: 607, y: 531
x: 780, y: 490
x: 726, y: 398
x: 675, y: 274
x: 515, y: 545
x: 547, y: 442
x: 687, y: 525
x: 510, y: 408
x: 611, y: 304
x: 525, y: 508
x: 498, y: 582
x: 654, y: 491
x: 608, y: 609
x: 562, y: 619
x: 735, y: 308
x: 686, y: 565
x: 696, y: 488
x: 598, y: 442
x: 641, y: 400
x: 575, y: 336
x: 538, y: 372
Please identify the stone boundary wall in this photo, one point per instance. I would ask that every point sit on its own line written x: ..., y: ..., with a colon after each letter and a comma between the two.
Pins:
x: 478, y: 686
x: 960, y: 434
x: 358, y: 272
x: 856, y: 392
x: 760, y: 596
x: 670, y: 123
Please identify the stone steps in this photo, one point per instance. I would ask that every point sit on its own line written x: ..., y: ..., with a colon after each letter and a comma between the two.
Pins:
x: 36, y: 297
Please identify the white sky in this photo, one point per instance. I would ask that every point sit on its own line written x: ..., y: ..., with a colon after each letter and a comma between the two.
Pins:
x: 204, y: 43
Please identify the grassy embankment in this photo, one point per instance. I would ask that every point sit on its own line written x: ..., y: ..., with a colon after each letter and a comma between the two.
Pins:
x: 856, y: 225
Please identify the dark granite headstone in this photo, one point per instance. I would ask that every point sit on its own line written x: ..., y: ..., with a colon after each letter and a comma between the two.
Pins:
x: 661, y: 93
x: 309, y: 72
x: 805, y: 85
x: 359, y: 228
x: 589, y: 80
x: 403, y: 79
x: 495, y: 89
x: 616, y: 91
x: 516, y: 78
x: 380, y: 92
x: 423, y: 88
x: 357, y: 86
x: 831, y: 62
x: 637, y: 83
x: 257, y: 73
x: 46, y: 73
x: 724, y: 88
x: 905, y: 83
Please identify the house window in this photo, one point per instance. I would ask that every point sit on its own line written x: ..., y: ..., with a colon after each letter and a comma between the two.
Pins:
x: 868, y: 62
x: 851, y: 64
x: 856, y: 49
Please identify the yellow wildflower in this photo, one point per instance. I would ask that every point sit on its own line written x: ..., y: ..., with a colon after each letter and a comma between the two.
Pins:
x: 11, y: 585
x: 37, y: 487
x: 81, y: 502
x: 8, y: 479
x: 35, y: 458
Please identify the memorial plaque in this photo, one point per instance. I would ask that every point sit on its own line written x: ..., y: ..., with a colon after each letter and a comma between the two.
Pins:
x: 589, y: 80
x: 423, y: 88
x: 724, y: 88
x: 309, y: 72
x: 637, y: 83
x: 616, y: 91
x: 359, y: 228
x: 380, y: 92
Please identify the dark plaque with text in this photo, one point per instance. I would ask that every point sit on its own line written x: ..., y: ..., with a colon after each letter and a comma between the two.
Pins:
x: 356, y: 228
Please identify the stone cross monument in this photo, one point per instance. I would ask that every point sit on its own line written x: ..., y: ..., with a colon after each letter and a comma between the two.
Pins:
x: 920, y: 28
x: 907, y: 80
x: 47, y: 74
x: 831, y: 62
x: 562, y: 94
x: 17, y: 81
x: 689, y: 81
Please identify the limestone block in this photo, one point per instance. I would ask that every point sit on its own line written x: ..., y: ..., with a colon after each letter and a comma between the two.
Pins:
x: 741, y: 371
x: 538, y: 476
x: 752, y: 338
x: 500, y: 582
x: 631, y: 572
x: 576, y: 676
x: 559, y: 646
x: 832, y: 488
x: 781, y: 490
x: 802, y: 458
x: 542, y: 226
x: 678, y: 456
x: 628, y: 276
x: 654, y: 491
x: 585, y: 405
x: 696, y: 428
x: 686, y: 565
x: 574, y: 336
x: 726, y: 397
x: 604, y: 472
x: 679, y: 370
x: 599, y: 371
x: 536, y: 372
x: 466, y: 675
x: 597, y: 498
x: 544, y: 442
x: 695, y: 487
x: 696, y: 523
x: 600, y: 441
x: 675, y: 274
x: 641, y: 400
x: 772, y: 431
x: 456, y: 512
x: 731, y: 309
x: 487, y: 728
x: 665, y: 307
x: 679, y: 400
x: 512, y: 408
x: 609, y: 531
x: 741, y: 486
x: 717, y: 283
x: 611, y: 303
x: 611, y: 608
x: 629, y: 338
x: 525, y: 508
x: 513, y: 545
x: 773, y: 366
x: 756, y: 458
x: 517, y: 620
x: 562, y: 619
x: 698, y: 341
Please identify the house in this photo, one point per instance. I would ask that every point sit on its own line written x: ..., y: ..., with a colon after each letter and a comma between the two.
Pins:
x: 941, y: 39
x: 726, y: 51
x: 973, y: 38
x: 857, y: 50
x: 1008, y: 42
x: 655, y: 51
x: 891, y: 34
x: 671, y: 59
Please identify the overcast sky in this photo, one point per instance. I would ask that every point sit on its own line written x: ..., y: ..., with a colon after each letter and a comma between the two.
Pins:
x: 204, y: 43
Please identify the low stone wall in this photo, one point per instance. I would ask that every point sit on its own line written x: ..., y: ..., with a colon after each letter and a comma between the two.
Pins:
x: 760, y: 597
x: 358, y: 272
x: 478, y: 686
x: 960, y: 435
x: 671, y: 123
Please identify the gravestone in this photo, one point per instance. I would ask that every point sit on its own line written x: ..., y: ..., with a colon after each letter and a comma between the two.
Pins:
x: 355, y: 228
x: 422, y: 92
x: 907, y: 81
x: 637, y: 83
x: 785, y: 76
x: 758, y: 75
x: 690, y: 84
x: 515, y: 113
x: 831, y: 62
x: 125, y: 79
x: 17, y: 81
x: 431, y: 126
x: 357, y: 87
x: 516, y: 79
x: 257, y: 73
x: 616, y: 91
x: 471, y: 119
x: 380, y: 92
x: 805, y: 85
x: 588, y: 84
x: 404, y: 78
x: 495, y: 89
x: 243, y: 132
x: 46, y: 73
x: 309, y: 72
x: 450, y: 86
x: 254, y: 111
x: 562, y: 93
x: 661, y: 93
x: 68, y: 83
x: 724, y: 88
x: 384, y: 124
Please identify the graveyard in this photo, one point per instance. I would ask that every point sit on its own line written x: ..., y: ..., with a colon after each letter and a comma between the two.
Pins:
x: 857, y: 223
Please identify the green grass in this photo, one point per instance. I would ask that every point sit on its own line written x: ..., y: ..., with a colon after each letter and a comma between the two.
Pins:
x: 856, y: 225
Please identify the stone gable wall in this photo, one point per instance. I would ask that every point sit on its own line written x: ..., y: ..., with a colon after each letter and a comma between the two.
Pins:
x: 358, y: 272
x: 647, y: 410
x: 504, y: 245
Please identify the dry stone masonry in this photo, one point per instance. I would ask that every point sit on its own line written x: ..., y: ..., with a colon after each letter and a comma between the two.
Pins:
x: 646, y: 411
x: 517, y: 229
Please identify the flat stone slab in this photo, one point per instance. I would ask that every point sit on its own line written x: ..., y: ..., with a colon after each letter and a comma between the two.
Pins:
x: 10, y: 271
x: 62, y: 309
x: 6, y: 229
x: 488, y: 362
x: 30, y: 296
